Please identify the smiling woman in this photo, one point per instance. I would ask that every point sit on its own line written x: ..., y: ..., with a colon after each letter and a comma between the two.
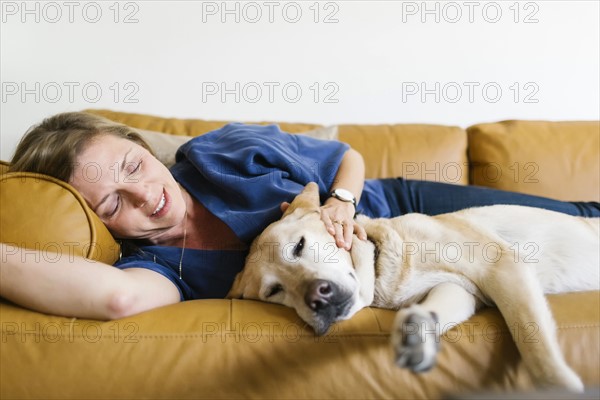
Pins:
x: 190, y: 226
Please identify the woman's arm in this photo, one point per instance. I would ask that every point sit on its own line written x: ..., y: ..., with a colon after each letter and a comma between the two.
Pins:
x: 350, y: 176
x: 76, y: 287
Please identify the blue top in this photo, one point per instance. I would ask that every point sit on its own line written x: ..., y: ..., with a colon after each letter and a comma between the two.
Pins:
x: 241, y: 174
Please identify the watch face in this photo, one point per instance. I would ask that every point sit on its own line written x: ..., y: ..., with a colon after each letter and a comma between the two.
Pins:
x: 344, y: 195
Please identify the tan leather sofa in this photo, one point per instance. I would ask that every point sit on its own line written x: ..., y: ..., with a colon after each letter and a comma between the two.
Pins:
x: 227, y: 349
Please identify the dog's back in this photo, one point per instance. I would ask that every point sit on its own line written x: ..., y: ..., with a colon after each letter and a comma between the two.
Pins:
x: 563, y: 249
x: 418, y: 251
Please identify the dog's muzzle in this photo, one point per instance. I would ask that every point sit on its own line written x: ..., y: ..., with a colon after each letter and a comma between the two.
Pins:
x: 328, y: 302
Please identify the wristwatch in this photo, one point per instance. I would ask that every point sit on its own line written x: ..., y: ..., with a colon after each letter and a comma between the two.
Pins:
x: 344, y: 195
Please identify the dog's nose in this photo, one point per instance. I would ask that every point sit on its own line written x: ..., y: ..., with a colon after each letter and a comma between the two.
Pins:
x: 319, y: 294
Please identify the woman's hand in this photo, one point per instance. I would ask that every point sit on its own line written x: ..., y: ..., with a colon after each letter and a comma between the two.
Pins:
x: 338, y: 217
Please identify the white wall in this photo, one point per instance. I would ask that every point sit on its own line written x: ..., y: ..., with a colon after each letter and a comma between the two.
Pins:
x: 370, y: 62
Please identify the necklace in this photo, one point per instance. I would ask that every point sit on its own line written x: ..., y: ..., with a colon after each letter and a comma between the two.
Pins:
x: 183, y: 246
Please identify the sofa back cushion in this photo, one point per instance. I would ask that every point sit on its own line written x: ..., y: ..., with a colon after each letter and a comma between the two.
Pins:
x: 412, y: 151
x: 560, y: 160
x: 4, y: 165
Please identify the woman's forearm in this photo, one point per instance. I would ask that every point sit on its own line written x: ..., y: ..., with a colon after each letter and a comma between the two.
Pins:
x: 53, y: 283
x: 68, y: 285
x: 351, y: 174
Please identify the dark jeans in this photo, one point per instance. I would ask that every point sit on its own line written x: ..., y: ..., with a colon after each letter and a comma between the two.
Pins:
x: 433, y: 198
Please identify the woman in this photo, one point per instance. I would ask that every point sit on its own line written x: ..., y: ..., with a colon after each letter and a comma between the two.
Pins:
x: 191, y: 225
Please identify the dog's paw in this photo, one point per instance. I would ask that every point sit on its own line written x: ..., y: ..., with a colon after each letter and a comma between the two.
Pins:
x: 562, y: 377
x: 573, y: 382
x: 415, y: 339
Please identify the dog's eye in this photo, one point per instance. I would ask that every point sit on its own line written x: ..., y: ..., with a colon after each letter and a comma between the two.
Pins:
x: 273, y: 290
x: 298, y: 248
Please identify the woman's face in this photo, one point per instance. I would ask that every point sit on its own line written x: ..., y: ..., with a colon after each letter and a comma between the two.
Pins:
x: 130, y: 190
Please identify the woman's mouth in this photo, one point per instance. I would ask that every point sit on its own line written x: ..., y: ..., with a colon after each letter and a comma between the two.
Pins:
x: 162, y: 206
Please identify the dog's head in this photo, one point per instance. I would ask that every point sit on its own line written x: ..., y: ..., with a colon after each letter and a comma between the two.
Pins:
x: 295, y: 262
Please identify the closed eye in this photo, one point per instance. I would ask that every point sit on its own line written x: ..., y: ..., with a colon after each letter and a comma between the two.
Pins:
x: 133, y: 171
x: 273, y: 290
x: 299, y: 247
x: 137, y: 168
x: 114, y: 211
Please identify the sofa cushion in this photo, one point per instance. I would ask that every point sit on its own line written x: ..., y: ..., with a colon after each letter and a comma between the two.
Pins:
x: 42, y: 213
x: 413, y: 151
x: 225, y: 349
x: 560, y: 160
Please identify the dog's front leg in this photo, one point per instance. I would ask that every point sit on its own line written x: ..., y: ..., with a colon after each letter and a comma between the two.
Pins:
x: 364, y: 265
x: 417, y: 329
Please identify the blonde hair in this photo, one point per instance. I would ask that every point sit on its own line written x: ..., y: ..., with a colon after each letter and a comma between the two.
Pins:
x: 52, y: 147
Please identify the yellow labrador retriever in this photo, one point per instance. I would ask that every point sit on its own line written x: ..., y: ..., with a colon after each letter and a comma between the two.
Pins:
x: 436, y: 270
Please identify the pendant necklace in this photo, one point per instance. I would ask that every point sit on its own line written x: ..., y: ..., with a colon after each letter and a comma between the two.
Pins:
x: 183, y: 246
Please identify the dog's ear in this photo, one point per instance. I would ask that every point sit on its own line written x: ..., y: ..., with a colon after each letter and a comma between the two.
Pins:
x: 237, y: 290
x: 308, y: 199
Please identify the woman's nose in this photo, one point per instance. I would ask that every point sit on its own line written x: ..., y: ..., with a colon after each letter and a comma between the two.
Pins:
x: 140, y: 197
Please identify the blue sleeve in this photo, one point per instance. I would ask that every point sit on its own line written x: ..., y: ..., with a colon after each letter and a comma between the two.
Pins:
x: 146, y: 262
x: 242, y: 173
